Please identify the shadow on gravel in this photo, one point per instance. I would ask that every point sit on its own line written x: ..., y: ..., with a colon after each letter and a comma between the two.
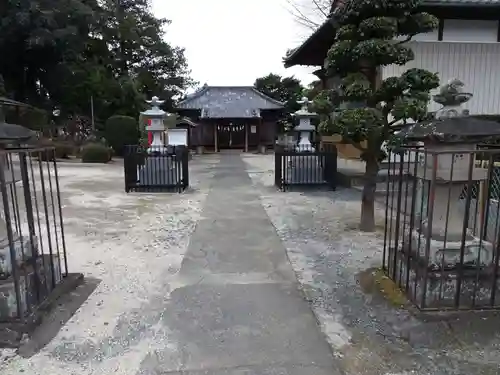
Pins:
x: 65, y: 308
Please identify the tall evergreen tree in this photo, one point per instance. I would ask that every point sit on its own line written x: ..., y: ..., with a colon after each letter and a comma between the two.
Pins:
x: 288, y: 90
x: 63, y: 52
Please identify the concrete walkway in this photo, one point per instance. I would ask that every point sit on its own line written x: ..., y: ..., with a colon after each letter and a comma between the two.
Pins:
x: 237, y: 309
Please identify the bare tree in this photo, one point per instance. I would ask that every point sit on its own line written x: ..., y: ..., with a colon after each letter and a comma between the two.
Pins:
x: 310, y: 13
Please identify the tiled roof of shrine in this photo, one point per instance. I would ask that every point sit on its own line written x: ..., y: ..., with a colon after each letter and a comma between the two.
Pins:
x: 229, y: 102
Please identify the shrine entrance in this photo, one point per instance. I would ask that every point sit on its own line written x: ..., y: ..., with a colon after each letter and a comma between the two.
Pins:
x: 231, y: 136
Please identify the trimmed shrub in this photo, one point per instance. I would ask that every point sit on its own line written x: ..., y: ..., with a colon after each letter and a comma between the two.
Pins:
x: 120, y: 131
x: 64, y: 149
x: 96, y: 153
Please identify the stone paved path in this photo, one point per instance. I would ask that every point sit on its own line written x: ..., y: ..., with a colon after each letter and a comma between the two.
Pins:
x: 237, y: 308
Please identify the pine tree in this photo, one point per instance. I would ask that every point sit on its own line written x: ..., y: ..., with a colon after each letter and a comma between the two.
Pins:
x: 372, y: 34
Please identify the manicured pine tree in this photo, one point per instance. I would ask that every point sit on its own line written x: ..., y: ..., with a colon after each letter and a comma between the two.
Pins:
x: 371, y: 34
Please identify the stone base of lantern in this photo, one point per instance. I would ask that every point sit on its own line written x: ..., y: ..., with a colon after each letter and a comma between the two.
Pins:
x: 435, y: 283
x: 23, y: 250
x: 440, y: 287
x: 305, y: 147
x: 447, y: 254
x: 157, y: 149
x: 34, y: 287
x: 13, y: 330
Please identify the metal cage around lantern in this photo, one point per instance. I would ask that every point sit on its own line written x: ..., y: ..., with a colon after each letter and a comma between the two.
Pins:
x: 442, y: 242
x: 442, y: 233
x: 33, y: 261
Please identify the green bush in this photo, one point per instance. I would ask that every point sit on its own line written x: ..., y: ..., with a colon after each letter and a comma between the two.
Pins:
x: 64, y: 149
x: 96, y: 153
x: 120, y: 131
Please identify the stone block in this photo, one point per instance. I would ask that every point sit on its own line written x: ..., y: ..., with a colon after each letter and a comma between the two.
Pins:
x: 23, y: 249
x: 33, y: 288
x: 8, y: 298
x: 440, y: 287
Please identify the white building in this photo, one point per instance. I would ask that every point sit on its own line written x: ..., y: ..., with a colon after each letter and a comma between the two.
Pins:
x: 465, y: 46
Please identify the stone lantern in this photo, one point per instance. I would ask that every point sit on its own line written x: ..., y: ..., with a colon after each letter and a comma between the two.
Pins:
x: 12, y: 245
x: 449, y: 141
x: 156, y: 125
x: 305, y: 128
x: 159, y: 167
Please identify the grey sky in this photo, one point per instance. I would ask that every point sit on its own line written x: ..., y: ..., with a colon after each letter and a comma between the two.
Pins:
x: 232, y: 42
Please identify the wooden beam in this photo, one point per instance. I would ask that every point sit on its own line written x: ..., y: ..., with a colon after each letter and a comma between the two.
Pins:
x: 259, y: 129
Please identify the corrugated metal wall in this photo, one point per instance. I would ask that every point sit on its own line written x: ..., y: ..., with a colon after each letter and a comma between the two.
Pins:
x: 476, y: 64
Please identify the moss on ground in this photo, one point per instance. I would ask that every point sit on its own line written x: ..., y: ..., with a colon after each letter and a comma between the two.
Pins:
x: 374, y: 280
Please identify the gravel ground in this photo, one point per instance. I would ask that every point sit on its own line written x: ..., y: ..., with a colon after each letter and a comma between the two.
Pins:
x: 131, y: 245
x: 366, y: 333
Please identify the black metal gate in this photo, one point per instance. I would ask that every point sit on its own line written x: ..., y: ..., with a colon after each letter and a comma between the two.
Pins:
x: 156, y: 172
x: 296, y: 167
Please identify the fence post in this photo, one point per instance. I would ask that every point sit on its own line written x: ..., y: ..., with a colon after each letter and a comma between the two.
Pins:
x: 31, y: 221
x: 329, y: 158
x: 126, y: 167
x: 185, y: 167
x: 278, y: 155
x: 334, y: 167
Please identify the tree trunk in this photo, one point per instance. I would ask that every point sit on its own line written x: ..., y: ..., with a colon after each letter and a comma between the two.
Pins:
x: 367, y: 223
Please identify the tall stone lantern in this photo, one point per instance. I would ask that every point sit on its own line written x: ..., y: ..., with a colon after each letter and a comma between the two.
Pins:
x: 305, y: 128
x: 449, y: 142
x: 156, y: 125
x: 14, y: 248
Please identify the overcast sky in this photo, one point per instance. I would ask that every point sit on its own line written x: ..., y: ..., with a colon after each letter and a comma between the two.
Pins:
x: 233, y: 42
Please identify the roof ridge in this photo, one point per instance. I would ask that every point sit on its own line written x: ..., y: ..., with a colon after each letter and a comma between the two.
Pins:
x: 194, y: 95
x: 230, y: 101
x: 267, y: 97
x: 205, y: 88
x: 229, y: 86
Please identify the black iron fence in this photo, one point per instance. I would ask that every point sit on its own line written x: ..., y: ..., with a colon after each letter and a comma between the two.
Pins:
x: 295, y: 166
x: 442, y: 229
x: 32, y: 245
x: 156, y: 171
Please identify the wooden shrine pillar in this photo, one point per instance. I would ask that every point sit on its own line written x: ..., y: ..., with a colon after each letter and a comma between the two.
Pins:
x: 260, y: 146
x: 216, y: 138
x: 257, y: 128
x: 246, y: 137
